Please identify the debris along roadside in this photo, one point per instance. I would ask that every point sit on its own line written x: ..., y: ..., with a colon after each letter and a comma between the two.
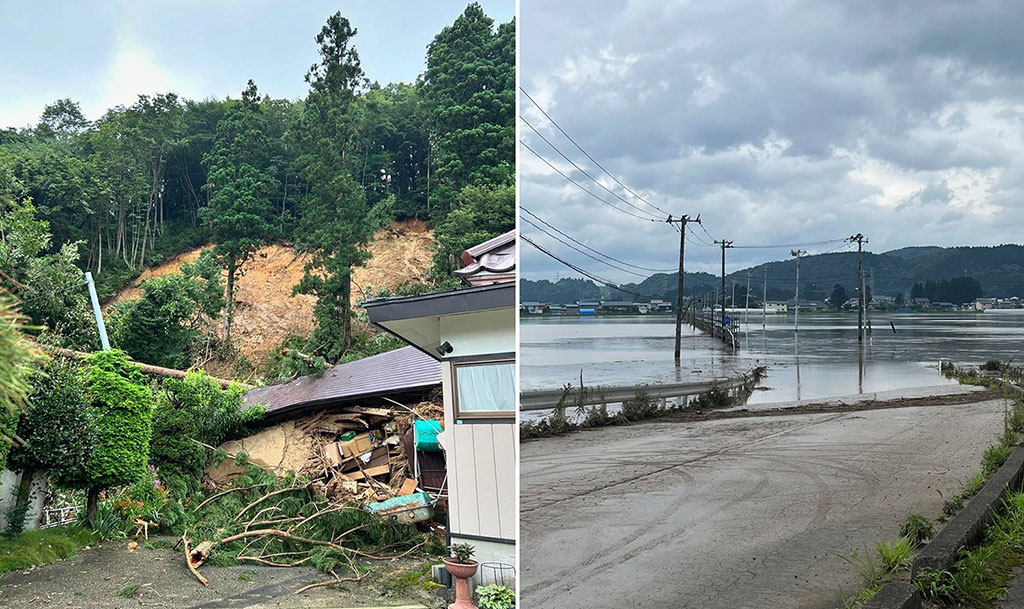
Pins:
x: 335, y: 490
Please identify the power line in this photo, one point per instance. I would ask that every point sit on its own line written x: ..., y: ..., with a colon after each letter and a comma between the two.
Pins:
x: 578, y: 185
x: 585, y: 153
x: 601, y: 280
x: 583, y: 171
x: 571, y: 246
x: 571, y: 238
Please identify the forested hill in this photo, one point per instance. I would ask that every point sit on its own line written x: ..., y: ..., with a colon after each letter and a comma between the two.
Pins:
x: 999, y: 270
x: 321, y: 175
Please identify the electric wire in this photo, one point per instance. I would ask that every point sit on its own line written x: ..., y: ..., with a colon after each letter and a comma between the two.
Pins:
x: 583, y: 171
x: 599, y: 253
x: 571, y: 246
x: 580, y: 186
x: 586, y: 154
x: 597, y: 278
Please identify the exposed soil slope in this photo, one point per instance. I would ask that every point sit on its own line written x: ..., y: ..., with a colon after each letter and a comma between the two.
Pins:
x: 266, y: 313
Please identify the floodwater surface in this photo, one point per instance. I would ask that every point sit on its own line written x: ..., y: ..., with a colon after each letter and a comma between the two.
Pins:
x: 823, y: 359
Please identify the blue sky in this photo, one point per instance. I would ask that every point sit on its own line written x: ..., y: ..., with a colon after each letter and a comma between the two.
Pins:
x: 104, y: 53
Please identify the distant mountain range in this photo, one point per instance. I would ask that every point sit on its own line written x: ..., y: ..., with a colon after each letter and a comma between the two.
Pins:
x: 999, y: 269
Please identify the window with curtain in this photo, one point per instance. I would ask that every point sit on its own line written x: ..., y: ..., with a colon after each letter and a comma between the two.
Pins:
x: 485, y: 390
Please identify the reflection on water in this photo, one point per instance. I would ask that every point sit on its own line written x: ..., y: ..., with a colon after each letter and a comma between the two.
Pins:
x: 902, y: 350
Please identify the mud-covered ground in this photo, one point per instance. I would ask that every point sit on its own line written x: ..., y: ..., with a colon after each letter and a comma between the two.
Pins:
x: 110, y: 576
x: 743, y: 509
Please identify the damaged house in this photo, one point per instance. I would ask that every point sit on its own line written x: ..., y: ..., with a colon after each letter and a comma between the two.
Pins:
x: 470, y: 332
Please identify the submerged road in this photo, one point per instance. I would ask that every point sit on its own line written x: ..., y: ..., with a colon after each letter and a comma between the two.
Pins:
x: 735, y: 513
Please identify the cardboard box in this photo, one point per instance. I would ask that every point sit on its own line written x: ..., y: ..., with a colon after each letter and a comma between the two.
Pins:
x: 356, y: 446
x: 333, y: 452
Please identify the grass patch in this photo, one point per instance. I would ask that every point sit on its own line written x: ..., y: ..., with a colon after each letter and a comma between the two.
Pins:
x: 917, y: 528
x: 128, y: 591
x: 41, y: 547
x: 979, y: 577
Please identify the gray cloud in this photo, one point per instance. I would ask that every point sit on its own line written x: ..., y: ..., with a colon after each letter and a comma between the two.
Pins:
x: 788, y: 122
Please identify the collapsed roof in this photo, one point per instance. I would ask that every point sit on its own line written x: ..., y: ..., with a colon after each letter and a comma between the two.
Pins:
x: 399, y: 371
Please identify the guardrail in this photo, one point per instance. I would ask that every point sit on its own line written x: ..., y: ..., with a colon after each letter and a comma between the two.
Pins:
x: 712, y: 324
x: 546, y: 399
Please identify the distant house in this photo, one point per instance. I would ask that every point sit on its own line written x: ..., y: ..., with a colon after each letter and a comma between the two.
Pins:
x: 776, y: 306
x: 533, y: 308
x: 805, y: 305
x: 619, y: 306
x: 660, y: 306
x: 944, y: 306
x: 556, y: 309
x: 924, y: 303
x: 471, y: 332
x: 884, y: 300
x: 984, y: 304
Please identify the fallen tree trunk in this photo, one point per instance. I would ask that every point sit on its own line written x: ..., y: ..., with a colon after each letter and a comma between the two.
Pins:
x: 147, y: 369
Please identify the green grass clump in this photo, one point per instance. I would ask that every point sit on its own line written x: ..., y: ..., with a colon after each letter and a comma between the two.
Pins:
x: 917, y: 528
x: 40, y: 547
x: 129, y: 591
x: 895, y: 555
x: 979, y: 577
x: 994, y: 458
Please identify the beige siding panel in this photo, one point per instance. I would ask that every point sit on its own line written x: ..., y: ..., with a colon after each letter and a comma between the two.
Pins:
x: 465, y: 471
x: 486, y: 480
x: 505, y: 453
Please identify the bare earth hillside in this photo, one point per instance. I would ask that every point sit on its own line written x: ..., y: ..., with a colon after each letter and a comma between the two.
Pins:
x: 266, y: 313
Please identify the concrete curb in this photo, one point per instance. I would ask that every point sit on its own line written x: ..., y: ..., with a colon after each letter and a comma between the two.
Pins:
x: 896, y: 595
x: 966, y: 527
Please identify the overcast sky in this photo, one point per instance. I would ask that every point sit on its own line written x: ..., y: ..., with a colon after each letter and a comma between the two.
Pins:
x: 792, y: 122
x: 103, y: 53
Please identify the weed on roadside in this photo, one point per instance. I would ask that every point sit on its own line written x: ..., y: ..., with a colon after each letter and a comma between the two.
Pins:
x: 917, y: 528
x: 979, y: 576
x: 128, y: 591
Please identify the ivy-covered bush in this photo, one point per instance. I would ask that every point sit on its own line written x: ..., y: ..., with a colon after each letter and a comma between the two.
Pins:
x: 195, y: 408
x: 121, y: 403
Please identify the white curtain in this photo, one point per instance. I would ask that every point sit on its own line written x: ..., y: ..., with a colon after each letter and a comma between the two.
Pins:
x: 486, y: 387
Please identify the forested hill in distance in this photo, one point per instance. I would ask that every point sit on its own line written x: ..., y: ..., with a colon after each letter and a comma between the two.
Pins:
x: 999, y: 269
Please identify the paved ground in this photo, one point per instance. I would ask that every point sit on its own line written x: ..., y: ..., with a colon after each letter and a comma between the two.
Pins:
x: 734, y: 513
x: 96, y: 578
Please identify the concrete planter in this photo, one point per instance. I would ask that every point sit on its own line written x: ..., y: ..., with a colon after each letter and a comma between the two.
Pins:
x: 462, y: 572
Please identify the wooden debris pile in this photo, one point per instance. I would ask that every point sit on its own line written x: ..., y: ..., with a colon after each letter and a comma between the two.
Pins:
x: 350, y: 453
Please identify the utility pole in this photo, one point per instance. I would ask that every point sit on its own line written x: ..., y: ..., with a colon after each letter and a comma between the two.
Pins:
x: 746, y: 305
x: 861, y: 240
x: 100, y: 327
x: 725, y: 244
x: 682, y: 222
x: 764, y: 302
x: 796, y: 319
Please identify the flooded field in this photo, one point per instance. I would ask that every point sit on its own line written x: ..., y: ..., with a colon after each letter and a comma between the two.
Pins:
x: 823, y: 359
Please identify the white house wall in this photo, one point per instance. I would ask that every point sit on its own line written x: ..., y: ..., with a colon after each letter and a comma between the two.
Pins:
x: 480, y: 332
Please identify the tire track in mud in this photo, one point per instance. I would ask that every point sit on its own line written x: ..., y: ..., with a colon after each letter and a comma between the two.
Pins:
x: 641, y: 534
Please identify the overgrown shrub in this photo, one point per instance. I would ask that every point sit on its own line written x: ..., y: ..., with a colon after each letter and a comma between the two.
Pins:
x: 640, y: 407
x: 195, y: 409
x: 992, y: 365
x: 121, y: 405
